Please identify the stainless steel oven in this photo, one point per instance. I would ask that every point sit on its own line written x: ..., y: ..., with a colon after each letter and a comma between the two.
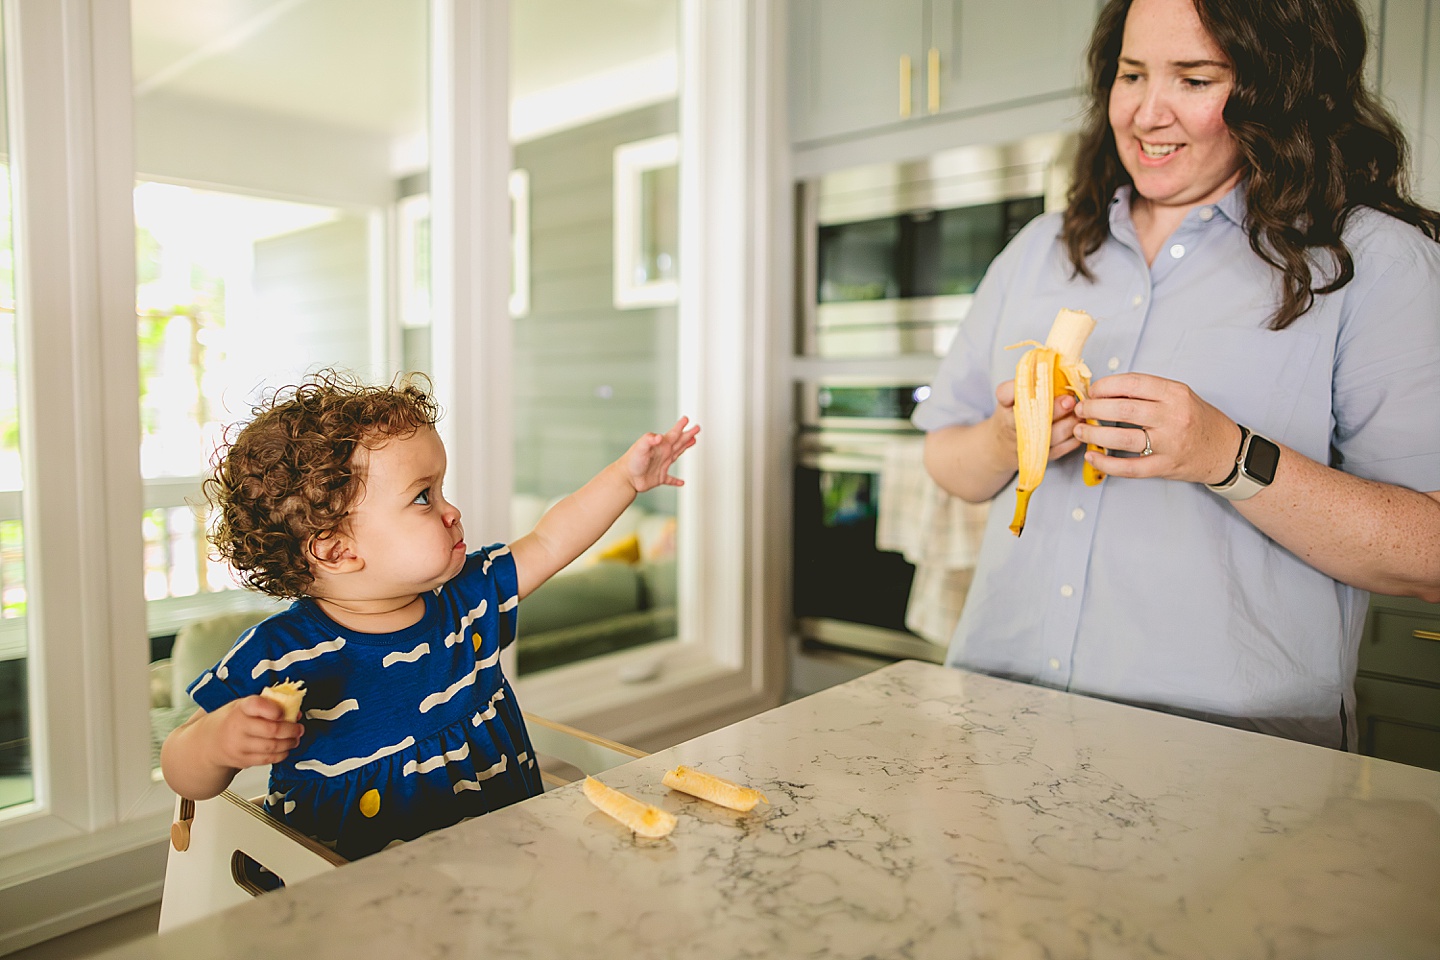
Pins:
x: 888, y: 260
x: 848, y: 593
x: 890, y: 254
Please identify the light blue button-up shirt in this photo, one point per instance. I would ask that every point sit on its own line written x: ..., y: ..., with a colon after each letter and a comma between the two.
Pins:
x: 1157, y: 591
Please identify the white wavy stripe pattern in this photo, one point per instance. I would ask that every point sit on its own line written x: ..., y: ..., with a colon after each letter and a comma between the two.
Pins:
x: 444, y: 696
x: 411, y: 657
x: 459, y: 635
x: 489, y: 713
x: 295, y: 656
x: 425, y: 766
x: 508, y: 605
x: 481, y: 776
x: 345, y: 766
x: 339, y: 710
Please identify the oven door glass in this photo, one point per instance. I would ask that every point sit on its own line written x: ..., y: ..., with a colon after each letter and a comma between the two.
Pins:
x: 838, y: 572
x: 859, y: 261
x: 953, y: 248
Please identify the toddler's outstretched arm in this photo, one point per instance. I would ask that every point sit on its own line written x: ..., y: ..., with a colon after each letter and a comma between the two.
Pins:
x: 202, y: 755
x: 576, y: 522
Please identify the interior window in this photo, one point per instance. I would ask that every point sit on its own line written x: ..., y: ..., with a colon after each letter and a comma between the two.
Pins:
x: 16, y: 783
x: 278, y: 149
x: 594, y: 119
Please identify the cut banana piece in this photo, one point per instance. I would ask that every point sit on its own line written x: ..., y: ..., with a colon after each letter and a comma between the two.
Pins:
x: 288, y: 694
x: 642, y: 818
x: 717, y: 790
x: 1045, y: 370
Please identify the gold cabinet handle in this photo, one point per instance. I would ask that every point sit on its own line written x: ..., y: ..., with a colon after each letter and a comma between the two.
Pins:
x: 1426, y: 635
x: 932, y: 75
x: 905, y: 85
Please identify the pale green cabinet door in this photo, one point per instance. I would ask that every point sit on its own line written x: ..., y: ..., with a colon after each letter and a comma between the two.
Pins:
x: 991, y: 53
x: 845, y: 64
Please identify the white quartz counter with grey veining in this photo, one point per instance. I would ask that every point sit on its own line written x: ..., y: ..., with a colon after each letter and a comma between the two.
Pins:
x: 916, y: 812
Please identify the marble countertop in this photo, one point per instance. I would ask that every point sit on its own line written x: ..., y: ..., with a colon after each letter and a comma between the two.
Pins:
x: 918, y: 811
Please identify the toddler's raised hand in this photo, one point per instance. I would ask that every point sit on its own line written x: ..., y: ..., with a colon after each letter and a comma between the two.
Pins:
x: 250, y: 732
x: 648, y: 461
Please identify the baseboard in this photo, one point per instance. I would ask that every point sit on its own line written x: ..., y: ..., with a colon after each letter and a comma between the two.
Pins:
x: 90, y: 893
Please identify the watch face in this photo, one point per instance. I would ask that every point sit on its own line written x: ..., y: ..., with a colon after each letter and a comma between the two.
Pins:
x: 1261, y: 460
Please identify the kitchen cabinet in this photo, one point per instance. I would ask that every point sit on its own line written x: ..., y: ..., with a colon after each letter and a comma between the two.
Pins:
x: 1397, y: 688
x: 858, y: 66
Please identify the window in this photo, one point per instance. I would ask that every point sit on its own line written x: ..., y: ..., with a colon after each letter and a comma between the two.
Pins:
x: 17, y: 785
x: 276, y: 151
x: 647, y: 222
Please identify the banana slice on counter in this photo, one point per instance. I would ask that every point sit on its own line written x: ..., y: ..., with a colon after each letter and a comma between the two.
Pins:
x: 642, y: 818
x: 717, y: 790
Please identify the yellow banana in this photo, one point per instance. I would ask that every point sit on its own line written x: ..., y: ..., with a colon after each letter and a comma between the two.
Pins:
x: 1045, y: 370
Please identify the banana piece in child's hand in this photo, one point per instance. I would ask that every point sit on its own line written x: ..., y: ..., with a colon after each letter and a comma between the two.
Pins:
x: 717, y: 790
x: 642, y: 818
x: 288, y: 694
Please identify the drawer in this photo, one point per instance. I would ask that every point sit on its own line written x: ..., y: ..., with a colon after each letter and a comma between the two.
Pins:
x: 1402, y: 640
x: 1398, y: 721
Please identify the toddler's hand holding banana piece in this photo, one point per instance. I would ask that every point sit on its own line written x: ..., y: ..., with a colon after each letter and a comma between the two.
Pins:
x: 1044, y: 371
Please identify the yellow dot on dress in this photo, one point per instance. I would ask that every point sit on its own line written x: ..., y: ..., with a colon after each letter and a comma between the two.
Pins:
x: 476, y: 638
x: 370, y: 803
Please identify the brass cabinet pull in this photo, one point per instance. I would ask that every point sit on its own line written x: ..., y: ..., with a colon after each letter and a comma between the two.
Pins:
x: 1426, y: 635
x: 933, y: 76
x: 905, y: 85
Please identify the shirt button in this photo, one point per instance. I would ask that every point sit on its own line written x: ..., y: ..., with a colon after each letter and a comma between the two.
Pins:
x: 1207, y: 213
x: 1067, y: 591
x: 1113, y: 363
x: 1078, y: 514
x: 1054, y: 664
x: 1137, y: 300
x: 1177, y: 251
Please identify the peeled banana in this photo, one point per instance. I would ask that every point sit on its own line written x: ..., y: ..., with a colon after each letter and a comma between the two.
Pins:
x: 1045, y: 370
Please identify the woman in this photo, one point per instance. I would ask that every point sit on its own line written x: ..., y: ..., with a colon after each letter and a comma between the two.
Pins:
x: 1239, y: 228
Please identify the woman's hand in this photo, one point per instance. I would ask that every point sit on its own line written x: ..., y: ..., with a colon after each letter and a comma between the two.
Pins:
x: 648, y: 461
x: 1062, y: 424
x: 249, y: 732
x: 1188, y: 438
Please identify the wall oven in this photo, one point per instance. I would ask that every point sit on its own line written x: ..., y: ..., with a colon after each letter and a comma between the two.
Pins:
x: 848, y: 593
x: 888, y: 260
x: 890, y: 254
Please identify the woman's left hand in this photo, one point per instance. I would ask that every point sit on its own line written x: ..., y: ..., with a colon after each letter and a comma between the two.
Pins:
x: 1188, y: 439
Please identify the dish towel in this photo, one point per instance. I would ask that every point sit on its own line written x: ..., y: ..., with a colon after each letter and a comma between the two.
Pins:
x: 936, y: 532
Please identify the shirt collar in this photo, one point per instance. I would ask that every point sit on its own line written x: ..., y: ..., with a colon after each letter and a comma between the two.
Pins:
x: 1232, y: 206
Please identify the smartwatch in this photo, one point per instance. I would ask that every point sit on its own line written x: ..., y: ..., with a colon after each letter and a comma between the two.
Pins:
x: 1254, y: 468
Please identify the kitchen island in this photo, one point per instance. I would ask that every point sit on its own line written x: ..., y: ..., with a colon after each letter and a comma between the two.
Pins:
x: 918, y: 811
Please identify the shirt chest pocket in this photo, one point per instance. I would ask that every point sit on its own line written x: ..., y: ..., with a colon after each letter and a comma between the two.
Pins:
x: 1254, y: 376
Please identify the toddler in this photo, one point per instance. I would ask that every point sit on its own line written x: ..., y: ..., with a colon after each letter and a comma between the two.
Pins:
x: 333, y: 495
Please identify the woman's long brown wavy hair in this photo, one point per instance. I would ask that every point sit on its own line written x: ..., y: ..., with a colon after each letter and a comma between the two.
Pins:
x: 289, y: 476
x: 1315, y: 142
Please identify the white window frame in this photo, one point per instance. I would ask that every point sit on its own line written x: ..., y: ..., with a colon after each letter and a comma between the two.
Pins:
x: 519, y: 243
x: 632, y: 161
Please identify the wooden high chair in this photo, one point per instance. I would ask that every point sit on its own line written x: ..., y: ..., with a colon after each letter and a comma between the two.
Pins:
x: 225, y: 849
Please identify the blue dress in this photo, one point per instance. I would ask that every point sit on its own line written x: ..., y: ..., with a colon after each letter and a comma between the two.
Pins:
x: 405, y: 732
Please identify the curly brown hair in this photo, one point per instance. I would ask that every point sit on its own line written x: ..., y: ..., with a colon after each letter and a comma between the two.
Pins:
x: 289, y: 475
x: 1316, y: 143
